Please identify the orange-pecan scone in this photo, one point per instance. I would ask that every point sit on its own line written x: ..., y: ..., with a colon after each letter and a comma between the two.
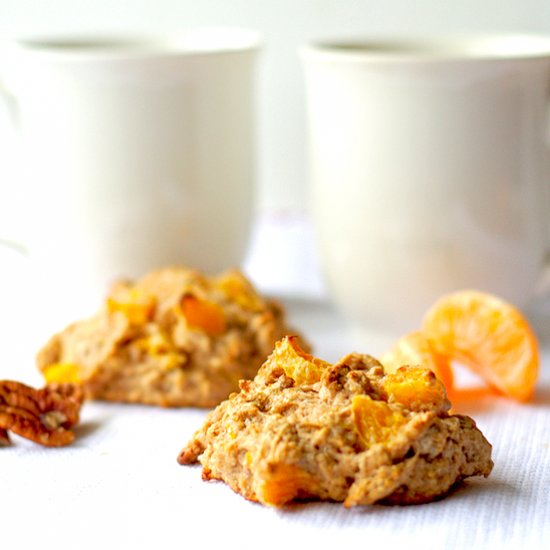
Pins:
x: 173, y: 338
x: 307, y: 429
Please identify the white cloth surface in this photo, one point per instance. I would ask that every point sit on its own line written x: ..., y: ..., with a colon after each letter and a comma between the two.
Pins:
x: 119, y: 485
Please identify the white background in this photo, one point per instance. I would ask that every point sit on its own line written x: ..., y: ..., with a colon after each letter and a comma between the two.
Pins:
x: 285, y: 24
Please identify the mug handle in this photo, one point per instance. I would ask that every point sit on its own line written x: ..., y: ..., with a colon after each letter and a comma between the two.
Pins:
x: 9, y: 102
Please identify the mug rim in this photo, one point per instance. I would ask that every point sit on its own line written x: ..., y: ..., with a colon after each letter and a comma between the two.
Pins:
x: 431, y: 48
x: 116, y: 45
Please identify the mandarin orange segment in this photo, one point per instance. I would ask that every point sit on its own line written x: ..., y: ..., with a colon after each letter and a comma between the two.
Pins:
x: 489, y: 336
x: 239, y: 289
x: 302, y: 367
x: 203, y: 315
x: 62, y: 373
x: 283, y: 484
x: 375, y: 421
x: 158, y: 345
x: 463, y: 395
x: 416, y: 349
x: 137, y: 307
x: 417, y: 389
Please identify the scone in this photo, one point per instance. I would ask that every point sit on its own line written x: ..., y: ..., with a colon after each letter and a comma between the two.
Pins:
x: 307, y: 429
x: 173, y: 338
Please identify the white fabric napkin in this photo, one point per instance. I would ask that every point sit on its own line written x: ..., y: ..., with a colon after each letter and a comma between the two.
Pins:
x: 119, y: 485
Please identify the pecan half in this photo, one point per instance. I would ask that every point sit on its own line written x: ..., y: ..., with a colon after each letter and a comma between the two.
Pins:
x: 4, y: 438
x: 44, y: 415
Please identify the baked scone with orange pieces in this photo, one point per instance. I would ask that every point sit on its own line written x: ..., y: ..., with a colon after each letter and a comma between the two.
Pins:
x: 305, y: 429
x: 173, y: 338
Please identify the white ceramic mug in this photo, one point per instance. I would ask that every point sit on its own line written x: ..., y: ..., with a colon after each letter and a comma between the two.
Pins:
x: 429, y: 171
x: 135, y: 152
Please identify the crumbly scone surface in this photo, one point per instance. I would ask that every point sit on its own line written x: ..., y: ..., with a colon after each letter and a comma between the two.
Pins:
x: 283, y: 438
x: 173, y: 338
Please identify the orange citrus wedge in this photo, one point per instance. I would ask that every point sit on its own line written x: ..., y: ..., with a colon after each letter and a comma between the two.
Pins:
x: 375, y: 421
x: 415, y: 349
x: 489, y: 336
x: 237, y: 288
x: 203, y: 315
x: 417, y: 388
x: 62, y: 373
x: 138, y: 308
x: 283, y: 483
x: 302, y: 367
